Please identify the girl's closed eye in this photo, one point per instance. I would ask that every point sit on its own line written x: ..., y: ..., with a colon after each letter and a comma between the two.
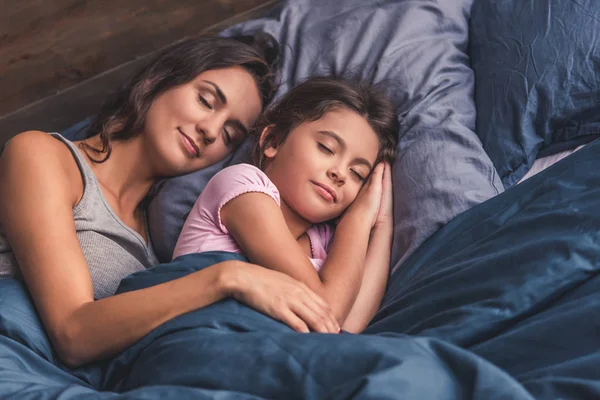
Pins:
x: 358, y: 175
x: 325, y: 149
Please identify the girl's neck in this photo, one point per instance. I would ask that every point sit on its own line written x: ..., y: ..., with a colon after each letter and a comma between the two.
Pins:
x: 296, y: 224
x: 126, y: 176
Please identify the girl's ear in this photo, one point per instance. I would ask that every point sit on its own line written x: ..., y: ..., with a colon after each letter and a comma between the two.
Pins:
x: 267, y: 142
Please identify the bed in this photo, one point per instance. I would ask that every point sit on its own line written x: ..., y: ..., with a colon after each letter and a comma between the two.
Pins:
x: 494, y: 290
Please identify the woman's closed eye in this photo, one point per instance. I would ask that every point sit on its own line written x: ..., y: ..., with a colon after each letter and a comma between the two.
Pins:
x: 204, y: 101
x: 227, y: 137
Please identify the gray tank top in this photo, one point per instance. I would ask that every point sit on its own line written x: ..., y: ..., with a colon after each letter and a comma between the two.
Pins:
x: 112, y: 249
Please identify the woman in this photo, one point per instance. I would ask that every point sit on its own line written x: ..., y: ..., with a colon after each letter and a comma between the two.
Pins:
x: 72, y: 214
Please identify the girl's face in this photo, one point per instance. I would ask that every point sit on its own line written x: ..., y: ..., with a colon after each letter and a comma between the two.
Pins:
x: 321, y: 166
x: 199, y: 123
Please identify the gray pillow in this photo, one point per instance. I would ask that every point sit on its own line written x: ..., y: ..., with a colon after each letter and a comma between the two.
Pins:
x: 417, y: 49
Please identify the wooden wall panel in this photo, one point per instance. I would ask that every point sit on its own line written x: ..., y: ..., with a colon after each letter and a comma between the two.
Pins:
x: 50, y: 50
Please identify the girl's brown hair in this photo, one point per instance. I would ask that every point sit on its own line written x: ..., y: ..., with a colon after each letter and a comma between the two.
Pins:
x: 124, y: 116
x: 314, y: 97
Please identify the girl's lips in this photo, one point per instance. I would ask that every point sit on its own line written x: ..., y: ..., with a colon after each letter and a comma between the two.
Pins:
x: 324, y: 192
x: 189, y: 144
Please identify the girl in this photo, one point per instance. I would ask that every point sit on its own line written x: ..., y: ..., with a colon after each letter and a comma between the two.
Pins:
x: 72, y: 214
x: 319, y: 145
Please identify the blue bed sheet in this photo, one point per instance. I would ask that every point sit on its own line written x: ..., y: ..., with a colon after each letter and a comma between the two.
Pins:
x: 502, y: 303
x: 228, y: 350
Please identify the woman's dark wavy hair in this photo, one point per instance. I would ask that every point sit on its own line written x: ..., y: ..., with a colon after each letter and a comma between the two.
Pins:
x: 123, y: 116
x: 314, y: 97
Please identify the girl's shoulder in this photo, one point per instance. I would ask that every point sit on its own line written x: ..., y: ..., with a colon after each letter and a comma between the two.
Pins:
x: 233, y: 181
x: 239, y: 177
x: 241, y: 171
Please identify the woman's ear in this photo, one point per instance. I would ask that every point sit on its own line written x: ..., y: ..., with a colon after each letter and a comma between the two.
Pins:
x: 268, y: 143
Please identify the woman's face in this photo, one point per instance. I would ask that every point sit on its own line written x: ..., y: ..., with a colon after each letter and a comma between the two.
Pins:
x: 197, y: 124
x: 321, y: 166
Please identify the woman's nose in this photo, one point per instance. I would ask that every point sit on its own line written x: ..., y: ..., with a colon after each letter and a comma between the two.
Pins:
x: 209, y: 138
x: 209, y: 131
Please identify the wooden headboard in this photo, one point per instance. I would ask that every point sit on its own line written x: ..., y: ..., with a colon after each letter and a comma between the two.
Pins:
x: 42, y: 102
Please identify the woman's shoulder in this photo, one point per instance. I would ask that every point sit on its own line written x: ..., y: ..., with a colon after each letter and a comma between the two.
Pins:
x: 38, y: 155
x: 38, y: 144
x: 44, y: 138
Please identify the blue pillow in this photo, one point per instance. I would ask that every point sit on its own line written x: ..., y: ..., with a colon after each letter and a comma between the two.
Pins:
x: 78, y: 131
x: 417, y: 49
x: 537, y: 72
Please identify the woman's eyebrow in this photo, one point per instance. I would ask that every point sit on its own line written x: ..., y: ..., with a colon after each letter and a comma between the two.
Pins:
x: 342, y: 144
x: 218, y: 90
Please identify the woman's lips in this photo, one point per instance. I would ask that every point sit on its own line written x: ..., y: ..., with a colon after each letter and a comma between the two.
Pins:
x: 189, y: 144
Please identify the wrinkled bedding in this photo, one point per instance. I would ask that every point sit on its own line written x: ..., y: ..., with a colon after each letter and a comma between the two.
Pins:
x: 488, y: 308
x: 503, y: 302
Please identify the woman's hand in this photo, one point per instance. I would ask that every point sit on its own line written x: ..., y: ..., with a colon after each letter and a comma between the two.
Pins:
x: 385, y: 216
x: 280, y: 297
x: 367, y: 203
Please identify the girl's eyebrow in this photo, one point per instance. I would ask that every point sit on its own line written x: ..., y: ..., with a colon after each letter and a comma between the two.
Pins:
x: 342, y: 144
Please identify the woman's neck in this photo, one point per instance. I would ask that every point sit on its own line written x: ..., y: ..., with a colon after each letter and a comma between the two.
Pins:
x: 126, y: 175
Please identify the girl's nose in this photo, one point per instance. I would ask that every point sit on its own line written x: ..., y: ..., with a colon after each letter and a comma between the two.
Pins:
x: 336, y: 176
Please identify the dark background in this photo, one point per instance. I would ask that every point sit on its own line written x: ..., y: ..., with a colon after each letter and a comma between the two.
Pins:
x: 59, y: 59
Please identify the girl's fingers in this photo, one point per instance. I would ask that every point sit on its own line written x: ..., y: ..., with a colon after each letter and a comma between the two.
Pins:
x: 376, y: 178
x: 378, y: 172
x: 387, y: 177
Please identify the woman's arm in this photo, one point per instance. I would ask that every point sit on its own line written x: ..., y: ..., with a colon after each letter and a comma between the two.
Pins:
x: 377, y: 263
x: 37, y: 196
x: 257, y: 224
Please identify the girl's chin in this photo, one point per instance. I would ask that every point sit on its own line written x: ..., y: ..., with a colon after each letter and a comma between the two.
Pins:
x: 318, y: 219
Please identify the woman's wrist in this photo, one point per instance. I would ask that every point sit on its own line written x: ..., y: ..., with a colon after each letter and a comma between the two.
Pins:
x: 228, y: 277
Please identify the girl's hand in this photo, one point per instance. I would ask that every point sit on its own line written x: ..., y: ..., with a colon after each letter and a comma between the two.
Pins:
x: 367, y: 203
x: 280, y: 297
x: 385, y: 216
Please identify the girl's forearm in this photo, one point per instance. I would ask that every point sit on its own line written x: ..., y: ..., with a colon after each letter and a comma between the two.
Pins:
x: 102, y: 328
x: 374, y: 281
x: 342, y: 272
